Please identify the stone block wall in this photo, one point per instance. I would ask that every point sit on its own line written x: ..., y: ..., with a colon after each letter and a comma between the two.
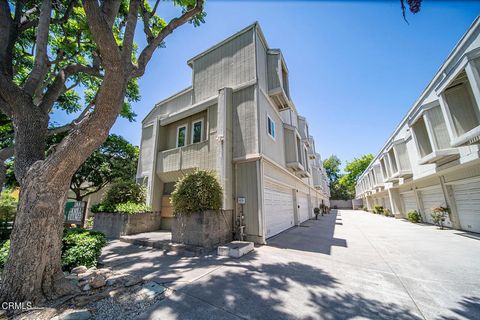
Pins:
x: 206, y: 229
x: 115, y: 225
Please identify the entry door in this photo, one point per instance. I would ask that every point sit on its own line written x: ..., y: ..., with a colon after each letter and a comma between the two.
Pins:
x: 467, y: 200
x: 279, y: 214
x: 303, y: 207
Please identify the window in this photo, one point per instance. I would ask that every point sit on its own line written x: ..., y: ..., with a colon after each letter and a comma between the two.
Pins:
x: 271, y: 127
x: 181, y: 136
x: 197, y: 130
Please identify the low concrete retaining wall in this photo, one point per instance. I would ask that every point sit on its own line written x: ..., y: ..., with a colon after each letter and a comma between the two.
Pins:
x: 206, y: 229
x: 357, y: 204
x: 114, y: 225
x: 341, y: 204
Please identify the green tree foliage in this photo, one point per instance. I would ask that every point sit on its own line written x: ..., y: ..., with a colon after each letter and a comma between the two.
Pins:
x: 198, y: 191
x: 115, y: 160
x: 332, y: 167
x: 353, y: 171
x: 342, y: 185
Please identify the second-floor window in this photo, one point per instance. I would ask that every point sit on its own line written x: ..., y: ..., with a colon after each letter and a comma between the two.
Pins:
x: 197, y: 129
x: 271, y: 127
x: 181, y: 136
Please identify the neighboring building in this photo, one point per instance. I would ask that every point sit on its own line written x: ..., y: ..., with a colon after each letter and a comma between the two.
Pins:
x: 432, y: 158
x: 237, y: 119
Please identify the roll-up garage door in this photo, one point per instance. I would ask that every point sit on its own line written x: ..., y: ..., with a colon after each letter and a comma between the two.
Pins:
x: 467, y: 200
x: 431, y: 198
x: 279, y: 214
x: 302, y: 200
x: 408, y: 201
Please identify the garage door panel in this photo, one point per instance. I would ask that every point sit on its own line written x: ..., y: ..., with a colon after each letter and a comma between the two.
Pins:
x: 408, y: 201
x: 278, y: 210
x: 467, y: 201
x: 432, y: 198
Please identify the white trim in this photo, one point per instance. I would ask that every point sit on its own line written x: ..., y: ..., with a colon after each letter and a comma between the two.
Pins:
x: 270, y: 119
x: 185, y: 125
x: 201, y: 130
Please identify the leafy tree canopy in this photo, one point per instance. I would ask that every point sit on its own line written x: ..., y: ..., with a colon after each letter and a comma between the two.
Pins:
x: 353, y: 171
x: 115, y: 160
x: 342, y: 185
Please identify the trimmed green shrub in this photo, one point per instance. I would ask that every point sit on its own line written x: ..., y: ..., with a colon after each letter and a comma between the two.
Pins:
x: 378, y: 209
x: 365, y: 209
x: 125, y: 191
x: 387, y: 212
x: 123, y: 197
x: 4, y: 253
x: 414, y: 216
x: 81, y: 247
x: 131, y: 207
x: 197, y: 191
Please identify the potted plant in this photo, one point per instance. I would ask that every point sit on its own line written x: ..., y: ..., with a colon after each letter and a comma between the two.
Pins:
x: 439, y: 214
x: 317, y: 212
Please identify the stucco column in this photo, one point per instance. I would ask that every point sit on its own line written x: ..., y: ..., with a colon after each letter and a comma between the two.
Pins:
x: 395, y: 203
x: 224, y: 145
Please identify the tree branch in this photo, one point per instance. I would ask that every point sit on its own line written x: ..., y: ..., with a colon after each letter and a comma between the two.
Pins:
x: 27, y: 24
x: 58, y: 86
x: 102, y: 33
x: 130, y: 31
x: 71, y: 125
x: 40, y: 67
x: 148, y: 51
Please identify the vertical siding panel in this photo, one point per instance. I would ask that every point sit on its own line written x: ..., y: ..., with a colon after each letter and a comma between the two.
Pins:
x: 226, y: 66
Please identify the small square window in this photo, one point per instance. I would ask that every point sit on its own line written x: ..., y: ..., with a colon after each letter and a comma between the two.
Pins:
x: 271, y: 127
x: 197, y: 128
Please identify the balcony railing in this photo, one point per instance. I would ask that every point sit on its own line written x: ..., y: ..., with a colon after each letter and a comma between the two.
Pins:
x: 193, y: 156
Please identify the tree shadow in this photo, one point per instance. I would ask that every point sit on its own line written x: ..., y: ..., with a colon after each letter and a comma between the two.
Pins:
x: 318, y: 237
x: 469, y: 309
x: 271, y: 291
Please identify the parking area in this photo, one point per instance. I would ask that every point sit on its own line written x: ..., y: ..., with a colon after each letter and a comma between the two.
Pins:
x: 347, y: 265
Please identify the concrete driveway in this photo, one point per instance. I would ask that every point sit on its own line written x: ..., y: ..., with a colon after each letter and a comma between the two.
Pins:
x: 350, y: 265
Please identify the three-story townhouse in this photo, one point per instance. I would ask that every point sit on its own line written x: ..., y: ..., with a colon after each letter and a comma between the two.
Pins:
x: 238, y: 119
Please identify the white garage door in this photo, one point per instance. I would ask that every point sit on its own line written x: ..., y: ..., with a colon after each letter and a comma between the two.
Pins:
x: 431, y: 198
x: 278, y: 210
x: 467, y: 200
x: 408, y: 201
x: 302, y: 200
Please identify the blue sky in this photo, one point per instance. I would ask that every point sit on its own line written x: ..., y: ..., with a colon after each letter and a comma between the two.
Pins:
x: 355, y: 67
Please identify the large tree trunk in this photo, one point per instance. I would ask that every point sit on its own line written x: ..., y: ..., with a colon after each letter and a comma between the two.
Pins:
x: 33, y: 269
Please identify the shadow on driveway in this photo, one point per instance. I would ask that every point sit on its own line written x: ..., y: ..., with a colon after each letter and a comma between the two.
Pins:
x: 318, y: 237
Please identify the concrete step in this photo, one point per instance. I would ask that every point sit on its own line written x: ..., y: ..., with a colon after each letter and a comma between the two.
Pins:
x: 235, y: 249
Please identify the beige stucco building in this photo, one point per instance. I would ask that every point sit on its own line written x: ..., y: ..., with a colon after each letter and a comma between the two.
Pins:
x: 238, y: 119
x: 432, y: 158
